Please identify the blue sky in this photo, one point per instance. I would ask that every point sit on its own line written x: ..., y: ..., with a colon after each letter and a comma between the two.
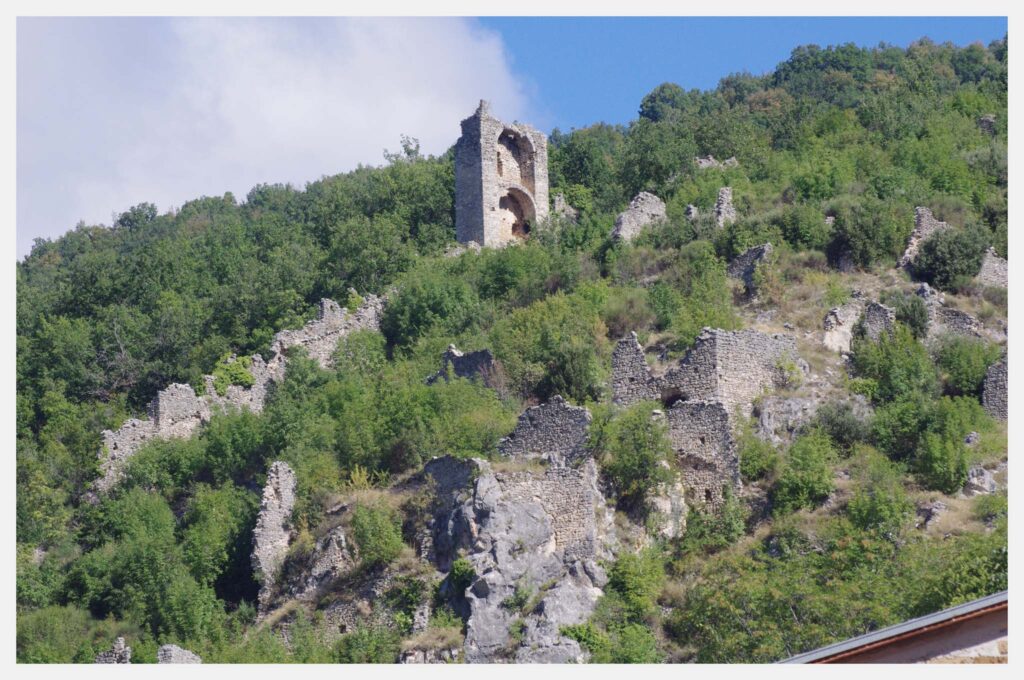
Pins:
x: 581, y: 70
x: 112, y: 112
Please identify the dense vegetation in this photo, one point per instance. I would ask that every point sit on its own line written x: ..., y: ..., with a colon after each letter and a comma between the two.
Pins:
x: 106, y: 316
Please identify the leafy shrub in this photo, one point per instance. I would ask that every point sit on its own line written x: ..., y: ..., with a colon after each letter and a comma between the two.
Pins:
x: 868, y: 231
x: 758, y: 458
x: 910, y: 311
x: 963, y: 363
x: 941, y: 462
x: 232, y: 371
x: 627, y: 309
x: 709, y: 532
x: 368, y: 645
x: 951, y: 257
x: 879, y: 502
x: 427, y: 299
x: 898, y: 364
x: 378, y: 534
x: 990, y: 507
x: 461, y: 574
x: 806, y: 476
x: 841, y: 423
x: 634, y: 450
x: 898, y: 425
x: 636, y: 578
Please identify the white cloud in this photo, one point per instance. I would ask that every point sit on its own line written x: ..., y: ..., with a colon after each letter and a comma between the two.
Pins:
x: 113, y: 112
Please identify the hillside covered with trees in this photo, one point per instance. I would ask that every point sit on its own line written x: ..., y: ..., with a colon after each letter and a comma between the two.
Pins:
x: 107, y: 316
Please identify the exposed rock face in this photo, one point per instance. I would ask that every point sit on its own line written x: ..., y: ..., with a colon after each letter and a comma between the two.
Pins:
x: 175, y: 654
x: 878, y: 319
x: 669, y: 504
x: 987, y: 123
x: 705, y: 451
x: 993, y: 270
x: 980, y: 482
x: 118, y: 653
x: 928, y: 512
x: 692, y: 213
x: 501, y: 179
x: 709, y: 161
x: 993, y: 396
x: 725, y: 212
x: 479, y: 364
x: 840, y: 321
x: 732, y: 367
x: 644, y: 209
x: 539, y: 530
x: 744, y: 266
x: 273, y: 529
x: 779, y: 419
x: 331, y: 558
x: 564, y: 210
x: 177, y: 411
x: 925, y: 225
x: 460, y: 248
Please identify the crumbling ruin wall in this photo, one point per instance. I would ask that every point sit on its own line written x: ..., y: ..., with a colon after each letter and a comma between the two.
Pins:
x: 925, y: 226
x: 273, y: 529
x: 840, y: 321
x: 705, y: 451
x: 643, y: 210
x: 175, y: 654
x: 987, y: 123
x: 725, y: 212
x: 555, y: 431
x: 470, y: 365
x: 709, y: 161
x: 878, y: 319
x: 563, y: 210
x: 501, y: 179
x: 733, y: 367
x: 177, y: 411
x: 943, y: 320
x: 118, y: 653
x: 994, y: 270
x: 744, y: 266
x: 993, y: 395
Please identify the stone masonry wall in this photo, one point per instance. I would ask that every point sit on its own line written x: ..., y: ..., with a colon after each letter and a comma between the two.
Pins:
x: 725, y: 212
x: 501, y: 179
x: 993, y: 395
x: 745, y: 265
x: 925, y: 225
x: 994, y: 270
x: 470, y: 365
x: 272, y: 533
x: 177, y: 411
x: 555, y: 431
x: 840, y: 321
x: 733, y: 367
x: 705, y: 451
x: 878, y: 319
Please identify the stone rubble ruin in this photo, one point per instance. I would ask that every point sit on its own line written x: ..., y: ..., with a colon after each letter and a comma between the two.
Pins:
x: 643, y: 210
x: 744, y: 266
x: 943, y: 320
x: 925, y: 226
x: 709, y: 161
x: 175, y: 654
x: 878, y: 319
x: 272, y: 534
x: 994, y: 271
x: 725, y: 212
x: 987, y: 123
x: 177, y: 411
x: 501, y: 180
x: 118, y: 653
x: 563, y: 209
x: 471, y: 365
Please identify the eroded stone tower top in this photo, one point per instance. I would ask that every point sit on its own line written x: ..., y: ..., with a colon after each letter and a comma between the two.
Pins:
x: 501, y: 179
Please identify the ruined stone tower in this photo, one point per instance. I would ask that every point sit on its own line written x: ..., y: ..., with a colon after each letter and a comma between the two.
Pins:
x: 501, y: 180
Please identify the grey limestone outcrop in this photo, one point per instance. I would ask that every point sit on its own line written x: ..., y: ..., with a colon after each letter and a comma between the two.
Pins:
x: 273, y: 529
x: 539, y: 529
x: 175, y: 654
x: 645, y: 209
x: 993, y: 395
x: 177, y: 411
x: 709, y: 161
x: 840, y: 321
x: 563, y: 209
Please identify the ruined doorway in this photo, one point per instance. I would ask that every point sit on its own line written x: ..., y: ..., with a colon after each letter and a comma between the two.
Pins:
x: 515, y: 214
